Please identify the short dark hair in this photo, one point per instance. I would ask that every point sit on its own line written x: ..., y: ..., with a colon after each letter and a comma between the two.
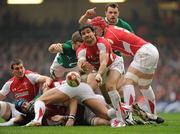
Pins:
x: 82, y: 27
x: 113, y: 5
x: 15, y: 62
x: 76, y: 37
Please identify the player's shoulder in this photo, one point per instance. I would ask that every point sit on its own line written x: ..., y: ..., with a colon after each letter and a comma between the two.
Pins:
x: 121, y: 21
x: 30, y: 72
x: 67, y: 44
x: 83, y: 46
x: 102, y: 40
x: 10, y: 81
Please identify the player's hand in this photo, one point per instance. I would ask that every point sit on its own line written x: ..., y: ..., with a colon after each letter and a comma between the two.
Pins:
x: 45, y: 87
x: 98, y: 78
x: 90, y: 12
x: 87, y: 67
x: 56, y: 48
x: 70, y: 122
x: 47, y: 83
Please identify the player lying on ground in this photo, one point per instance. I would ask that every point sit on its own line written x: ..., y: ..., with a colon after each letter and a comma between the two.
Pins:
x: 58, y: 115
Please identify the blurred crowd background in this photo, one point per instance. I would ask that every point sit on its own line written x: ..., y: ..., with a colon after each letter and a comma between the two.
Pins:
x: 26, y: 31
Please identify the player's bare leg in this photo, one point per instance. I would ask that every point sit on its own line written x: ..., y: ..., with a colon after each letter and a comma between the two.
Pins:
x: 100, y: 109
x: 5, y: 110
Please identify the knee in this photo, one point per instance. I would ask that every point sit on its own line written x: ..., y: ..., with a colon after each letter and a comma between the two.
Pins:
x: 144, y: 83
x: 5, y: 110
x: 111, y: 85
x: 43, y: 99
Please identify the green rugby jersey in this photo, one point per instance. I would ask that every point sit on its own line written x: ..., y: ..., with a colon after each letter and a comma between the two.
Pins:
x: 68, y: 58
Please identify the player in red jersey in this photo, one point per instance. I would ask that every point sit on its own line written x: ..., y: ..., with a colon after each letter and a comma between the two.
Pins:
x: 23, y: 85
x: 141, y: 70
x: 98, y: 52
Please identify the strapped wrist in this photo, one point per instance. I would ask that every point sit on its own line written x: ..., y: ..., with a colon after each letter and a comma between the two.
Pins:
x: 71, y: 117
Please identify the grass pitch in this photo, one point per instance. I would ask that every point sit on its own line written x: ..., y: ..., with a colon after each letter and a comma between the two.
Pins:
x: 171, y: 126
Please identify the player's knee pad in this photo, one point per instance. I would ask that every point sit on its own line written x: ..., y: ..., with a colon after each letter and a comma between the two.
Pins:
x: 144, y: 82
x: 3, y: 108
x: 132, y: 76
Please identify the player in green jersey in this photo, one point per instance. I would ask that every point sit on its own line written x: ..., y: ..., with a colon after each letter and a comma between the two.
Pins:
x: 111, y: 16
x: 65, y: 59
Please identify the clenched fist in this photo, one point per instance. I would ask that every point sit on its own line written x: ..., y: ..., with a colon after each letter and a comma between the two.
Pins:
x: 56, y: 48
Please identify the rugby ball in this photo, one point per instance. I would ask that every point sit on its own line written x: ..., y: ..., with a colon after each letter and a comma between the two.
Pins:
x: 73, y: 79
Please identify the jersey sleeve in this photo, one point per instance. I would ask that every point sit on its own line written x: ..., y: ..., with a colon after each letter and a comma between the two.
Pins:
x: 81, y: 54
x: 6, y: 88
x: 33, y: 77
x: 102, y: 47
x: 67, y: 45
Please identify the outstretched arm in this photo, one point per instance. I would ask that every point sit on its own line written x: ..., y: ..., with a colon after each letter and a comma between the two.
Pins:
x: 45, y: 81
x: 72, y: 112
x: 103, y: 65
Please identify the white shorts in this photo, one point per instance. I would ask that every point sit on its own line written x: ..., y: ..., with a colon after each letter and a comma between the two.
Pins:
x: 118, y: 64
x: 146, y: 59
x: 14, y: 112
x: 81, y: 93
x: 58, y: 71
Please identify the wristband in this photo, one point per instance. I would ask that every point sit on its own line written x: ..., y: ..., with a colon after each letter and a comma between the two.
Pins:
x: 71, y: 117
x: 66, y: 117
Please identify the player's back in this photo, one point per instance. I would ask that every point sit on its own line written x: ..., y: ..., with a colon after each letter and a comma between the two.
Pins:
x: 123, y: 40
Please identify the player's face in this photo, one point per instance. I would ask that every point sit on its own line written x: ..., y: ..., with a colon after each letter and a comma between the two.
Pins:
x: 76, y: 45
x: 18, y: 70
x: 88, y: 36
x: 25, y: 106
x: 112, y: 15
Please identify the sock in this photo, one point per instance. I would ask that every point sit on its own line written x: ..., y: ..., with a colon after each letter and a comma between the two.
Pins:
x: 39, y: 108
x: 115, y: 100
x: 149, y: 99
x: 129, y: 94
x: 111, y: 113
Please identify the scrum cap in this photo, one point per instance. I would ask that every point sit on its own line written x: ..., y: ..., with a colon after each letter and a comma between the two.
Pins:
x: 99, y: 21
